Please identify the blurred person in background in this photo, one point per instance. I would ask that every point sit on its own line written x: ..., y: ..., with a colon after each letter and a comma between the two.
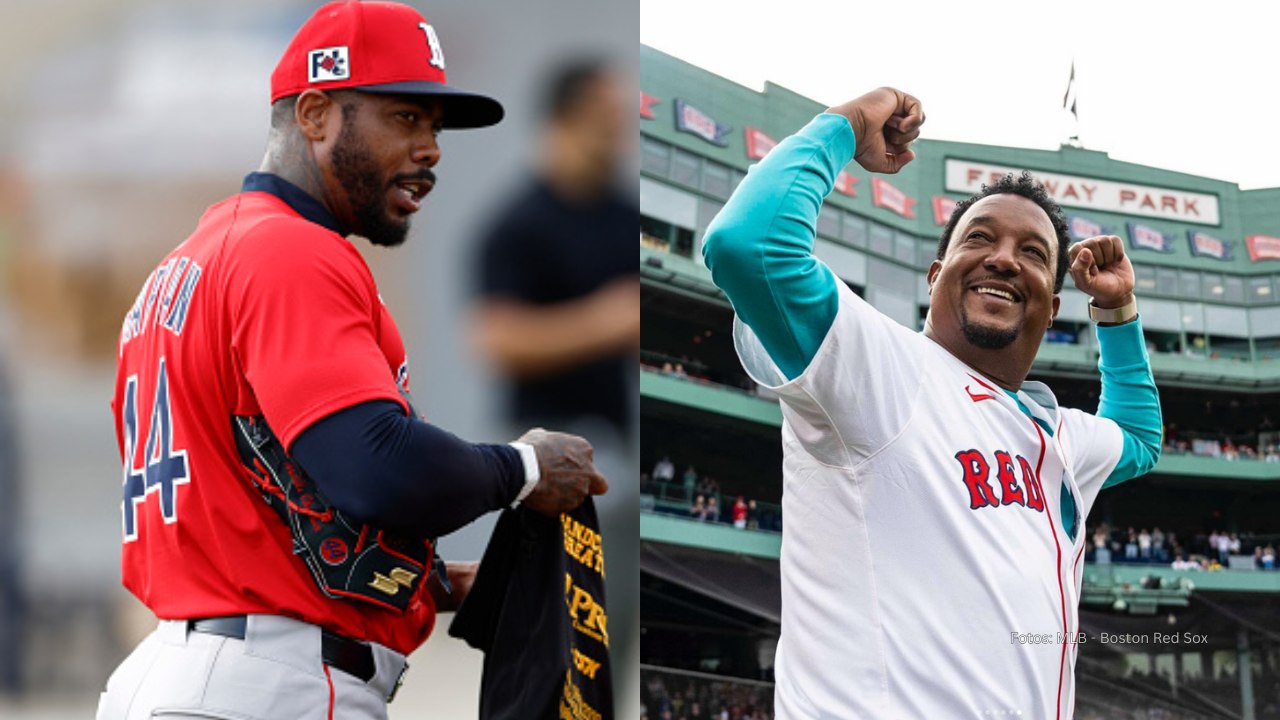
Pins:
x: 260, y: 363
x: 558, y: 312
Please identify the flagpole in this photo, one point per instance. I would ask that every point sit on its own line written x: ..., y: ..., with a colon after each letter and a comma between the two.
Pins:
x: 1069, y: 104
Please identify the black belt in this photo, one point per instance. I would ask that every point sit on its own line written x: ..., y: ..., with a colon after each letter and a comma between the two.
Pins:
x: 350, y: 656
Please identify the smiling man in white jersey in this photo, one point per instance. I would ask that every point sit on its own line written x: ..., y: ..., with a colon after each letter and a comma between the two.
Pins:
x: 934, y: 498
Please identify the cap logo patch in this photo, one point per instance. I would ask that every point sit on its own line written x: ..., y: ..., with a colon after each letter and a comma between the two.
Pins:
x: 325, y: 64
x: 433, y: 44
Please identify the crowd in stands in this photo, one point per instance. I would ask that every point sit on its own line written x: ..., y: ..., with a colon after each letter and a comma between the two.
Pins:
x: 1240, y: 441
x: 1200, y: 552
x: 673, y: 697
x: 686, y: 367
x: 706, y: 502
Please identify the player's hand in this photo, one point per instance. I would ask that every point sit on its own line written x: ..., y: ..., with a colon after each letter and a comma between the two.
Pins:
x: 1101, y: 270
x: 884, y: 121
x: 567, y: 473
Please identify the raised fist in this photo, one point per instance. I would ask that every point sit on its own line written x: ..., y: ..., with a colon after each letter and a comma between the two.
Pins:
x: 884, y: 121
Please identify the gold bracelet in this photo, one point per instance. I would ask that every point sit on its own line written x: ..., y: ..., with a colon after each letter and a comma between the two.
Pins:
x: 1115, y: 316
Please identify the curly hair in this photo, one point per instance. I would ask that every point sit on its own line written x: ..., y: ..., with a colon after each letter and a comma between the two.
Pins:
x: 1027, y: 187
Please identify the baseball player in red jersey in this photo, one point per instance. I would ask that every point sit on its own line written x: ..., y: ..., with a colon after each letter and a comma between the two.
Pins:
x: 280, y: 495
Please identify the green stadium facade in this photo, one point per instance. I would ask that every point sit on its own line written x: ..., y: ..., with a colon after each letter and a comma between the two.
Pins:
x: 1207, y: 259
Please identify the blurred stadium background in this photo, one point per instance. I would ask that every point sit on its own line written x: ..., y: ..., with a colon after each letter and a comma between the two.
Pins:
x: 120, y: 121
x: 1188, y: 550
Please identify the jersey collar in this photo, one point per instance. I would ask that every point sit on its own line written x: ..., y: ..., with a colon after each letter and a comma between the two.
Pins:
x: 293, y: 196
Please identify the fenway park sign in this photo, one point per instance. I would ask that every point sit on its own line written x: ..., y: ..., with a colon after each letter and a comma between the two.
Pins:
x: 963, y: 176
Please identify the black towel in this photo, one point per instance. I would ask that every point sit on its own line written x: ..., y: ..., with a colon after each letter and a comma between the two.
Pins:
x: 537, y: 610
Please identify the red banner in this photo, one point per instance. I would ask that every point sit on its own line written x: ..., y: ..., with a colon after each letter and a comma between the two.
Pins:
x: 1262, y: 247
x: 845, y: 183
x: 647, y: 102
x: 891, y: 198
x: 758, y: 144
x: 942, y: 209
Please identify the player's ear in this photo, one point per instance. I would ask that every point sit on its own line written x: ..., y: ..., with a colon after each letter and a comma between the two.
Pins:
x: 1053, y: 312
x: 313, y: 112
x: 935, y: 267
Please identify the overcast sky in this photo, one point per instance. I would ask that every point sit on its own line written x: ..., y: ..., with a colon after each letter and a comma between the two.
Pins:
x: 1186, y: 86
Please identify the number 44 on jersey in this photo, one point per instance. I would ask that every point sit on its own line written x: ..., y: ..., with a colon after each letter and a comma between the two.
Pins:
x: 161, y: 469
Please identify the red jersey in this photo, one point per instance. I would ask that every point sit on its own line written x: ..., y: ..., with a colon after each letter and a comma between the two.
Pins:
x: 260, y: 311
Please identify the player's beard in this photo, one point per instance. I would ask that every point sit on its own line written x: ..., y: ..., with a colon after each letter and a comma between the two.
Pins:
x: 358, y: 173
x: 985, y: 336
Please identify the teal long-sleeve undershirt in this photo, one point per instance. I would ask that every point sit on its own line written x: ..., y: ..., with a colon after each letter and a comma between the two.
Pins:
x: 759, y: 249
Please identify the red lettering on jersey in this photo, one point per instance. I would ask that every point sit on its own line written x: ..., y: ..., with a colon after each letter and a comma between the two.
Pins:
x: 1035, y: 499
x: 1010, y: 492
x: 976, y: 470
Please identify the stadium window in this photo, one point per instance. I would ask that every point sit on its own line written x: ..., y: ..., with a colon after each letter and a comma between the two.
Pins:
x: 1189, y: 283
x: 707, y: 211
x: 685, y: 168
x: 1162, y: 342
x: 1144, y: 278
x: 1213, y: 288
x: 881, y: 240
x: 1064, y: 332
x: 926, y: 251
x: 1226, y: 348
x: 683, y: 245
x: 715, y: 180
x: 1233, y: 289
x: 1167, y: 282
x: 853, y: 230
x: 655, y: 157
x: 1260, y: 292
x: 1268, y: 348
x: 891, y: 277
x: 904, y: 248
x: 829, y: 222
x: 661, y: 235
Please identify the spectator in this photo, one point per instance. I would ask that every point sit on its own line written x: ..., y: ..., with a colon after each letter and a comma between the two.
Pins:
x: 1131, y: 546
x: 668, y: 368
x: 1235, y: 544
x: 644, y: 484
x: 713, y: 510
x: 1157, y: 545
x: 1224, y: 547
x: 664, y: 471
x: 708, y: 486
x: 1101, y: 554
x: 740, y: 514
x: 690, y: 479
x: 1269, y: 558
x: 1144, y: 545
x: 753, y: 515
x: 680, y: 371
x: 699, y: 509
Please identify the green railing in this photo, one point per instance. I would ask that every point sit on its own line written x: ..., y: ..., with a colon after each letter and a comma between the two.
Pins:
x: 732, y: 402
x: 676, y: 530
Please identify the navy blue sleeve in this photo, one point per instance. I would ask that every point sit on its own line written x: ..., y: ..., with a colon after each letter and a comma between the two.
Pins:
x: 402, y: 474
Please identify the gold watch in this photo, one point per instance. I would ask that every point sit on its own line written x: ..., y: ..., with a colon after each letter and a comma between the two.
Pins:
x: 1114, y: 316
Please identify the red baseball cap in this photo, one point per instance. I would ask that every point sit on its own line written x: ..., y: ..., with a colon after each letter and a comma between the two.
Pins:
x: 376, y: 47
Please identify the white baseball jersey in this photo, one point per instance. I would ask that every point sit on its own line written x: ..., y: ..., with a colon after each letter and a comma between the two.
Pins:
x: 926, y: 572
